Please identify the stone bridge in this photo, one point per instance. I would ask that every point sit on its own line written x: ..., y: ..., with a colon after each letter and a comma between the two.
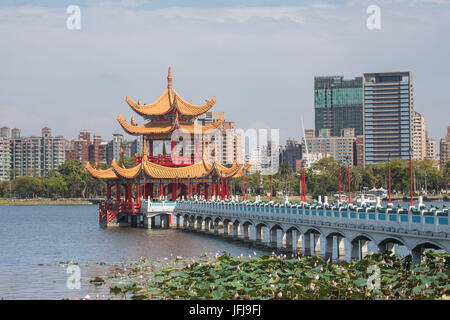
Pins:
x: 332, y: 231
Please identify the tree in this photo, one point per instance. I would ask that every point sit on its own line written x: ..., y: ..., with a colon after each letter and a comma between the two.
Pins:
x: 27, y: 187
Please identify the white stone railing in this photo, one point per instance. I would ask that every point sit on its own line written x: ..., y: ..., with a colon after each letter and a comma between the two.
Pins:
x: 361, y: 217
x: 162, y: 206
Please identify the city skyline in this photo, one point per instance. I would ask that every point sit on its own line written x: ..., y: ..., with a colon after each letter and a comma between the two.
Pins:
x: 84, y: 75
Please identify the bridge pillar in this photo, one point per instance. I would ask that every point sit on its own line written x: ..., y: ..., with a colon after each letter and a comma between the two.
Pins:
x: 297, y: 241
x: 322, y: 244
x: 372, y: 247
x: 347, y: 249
x: 306, y: 244
x: 216, y: 227
x: 191, y: 224
x: 252, y: 232
x: 225, y: 228
x: 273, y: 237
x: 149, y: 222
x: 292, y: 237
x: 316, y: 239
x: 329, y: 248
x: 235, y: 230
x: 416, y: 255
x: 246, y: 233
x: 207, y: 225
x: 258, y: 234
x: 199, y: 224
x: 185, y: 222
x: 178, y: 221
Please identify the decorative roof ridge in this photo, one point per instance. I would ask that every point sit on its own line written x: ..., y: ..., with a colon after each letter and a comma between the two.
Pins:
x: 148, y: 128
x: 99, y: 173
x: 128, y: 173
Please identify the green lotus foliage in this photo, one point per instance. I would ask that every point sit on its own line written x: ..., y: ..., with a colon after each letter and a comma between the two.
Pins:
x: 376, y: 277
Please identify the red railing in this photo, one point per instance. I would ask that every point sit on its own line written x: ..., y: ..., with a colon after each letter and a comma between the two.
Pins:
x: 167, y: 160
x: 108, y: 211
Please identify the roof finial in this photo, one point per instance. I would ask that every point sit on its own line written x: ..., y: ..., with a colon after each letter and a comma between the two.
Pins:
x: 121, y: 162
x: 144, y: 148
x: 169, y: 80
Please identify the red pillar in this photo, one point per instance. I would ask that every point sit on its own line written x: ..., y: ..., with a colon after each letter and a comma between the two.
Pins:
x: 161, y: 190
x: 144, y: 190
x: 411, y: 179
x: 138, y: 193
x: 129, y: 193
x: 118, y: 192
x: 108, y: 191
x: 213, y: 189
x: 349, y: 197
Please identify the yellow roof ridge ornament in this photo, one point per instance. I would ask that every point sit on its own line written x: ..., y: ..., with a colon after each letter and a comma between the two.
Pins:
x: 144, y: 148
x: 121, y: 163
x: 169, y: 79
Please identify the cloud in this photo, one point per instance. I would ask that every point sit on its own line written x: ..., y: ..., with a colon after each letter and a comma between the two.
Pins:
x: 259, y: 62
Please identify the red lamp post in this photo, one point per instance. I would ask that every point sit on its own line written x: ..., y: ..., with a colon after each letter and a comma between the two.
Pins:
x: 411, y: 175
x: 349, y: 197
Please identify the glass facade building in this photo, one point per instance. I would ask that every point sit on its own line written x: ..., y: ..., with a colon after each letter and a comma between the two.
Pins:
x: 338, y: 104
x: 388, y: 115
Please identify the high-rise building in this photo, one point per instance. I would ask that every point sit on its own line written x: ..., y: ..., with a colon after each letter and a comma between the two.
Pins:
x: 431, y: 147
x: 388, y: 115
x: 113, y: 148
x: 35, y: 156
x: 52, y: 150
x: 444, y: 149
x: 5, y: 132
x: 338, y: 104
x: 291, y: 153
x: 15, y: 133
x: 419, y: 137
x: 324, y: 145
x: 5, y: 158
x: 359, y: 151
x: 26, y: 156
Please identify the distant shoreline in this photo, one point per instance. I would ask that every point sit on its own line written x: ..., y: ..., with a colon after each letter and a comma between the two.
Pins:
x: 33, y: 202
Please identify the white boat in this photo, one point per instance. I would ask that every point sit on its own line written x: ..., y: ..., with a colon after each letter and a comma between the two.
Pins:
x: 366, y: 198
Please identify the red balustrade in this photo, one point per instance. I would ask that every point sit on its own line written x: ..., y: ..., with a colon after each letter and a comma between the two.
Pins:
x: 167, y: 160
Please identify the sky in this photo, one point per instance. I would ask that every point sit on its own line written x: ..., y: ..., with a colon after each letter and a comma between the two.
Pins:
x: 258, y: 58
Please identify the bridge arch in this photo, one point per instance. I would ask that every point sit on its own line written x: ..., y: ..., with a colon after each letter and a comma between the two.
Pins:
x: 361, y: 245
x: 388, y: 244
x: 335, y: 245
x: 418, y: 249
x: 316, y: 236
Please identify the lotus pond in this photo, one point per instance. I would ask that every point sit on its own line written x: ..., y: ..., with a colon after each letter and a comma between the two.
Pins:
x: 220, y: 276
